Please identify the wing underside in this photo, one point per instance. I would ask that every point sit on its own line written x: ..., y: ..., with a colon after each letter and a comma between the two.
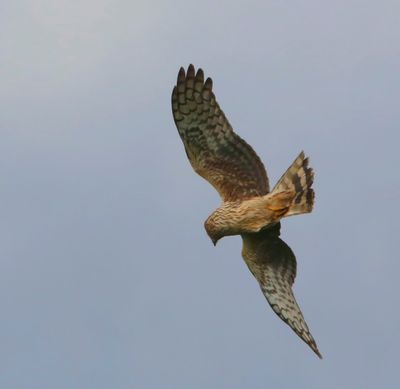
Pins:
x: 273, y: 264
x: 214, y: 150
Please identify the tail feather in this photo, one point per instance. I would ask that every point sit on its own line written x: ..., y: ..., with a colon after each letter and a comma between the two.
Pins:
x: 298, y: 179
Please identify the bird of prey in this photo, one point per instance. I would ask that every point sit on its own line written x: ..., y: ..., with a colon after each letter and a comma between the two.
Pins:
x: 248, y: 206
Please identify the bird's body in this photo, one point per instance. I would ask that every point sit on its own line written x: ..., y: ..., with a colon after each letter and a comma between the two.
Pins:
x: 248, y: 207
x: 256, y: 213
x: 240, y: 217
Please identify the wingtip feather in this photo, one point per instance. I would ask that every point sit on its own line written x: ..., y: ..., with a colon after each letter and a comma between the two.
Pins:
x: 208, y: 84
x: 200, y: 75
x: 190, y: 71
x: 181, y: 75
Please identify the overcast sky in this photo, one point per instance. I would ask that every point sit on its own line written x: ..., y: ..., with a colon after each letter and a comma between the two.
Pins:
x: 108, y: 279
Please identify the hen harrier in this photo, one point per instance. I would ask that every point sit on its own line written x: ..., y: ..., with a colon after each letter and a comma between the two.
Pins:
x: 248, y: 207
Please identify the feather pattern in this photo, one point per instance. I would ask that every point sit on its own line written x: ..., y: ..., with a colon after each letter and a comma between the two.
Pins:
x: 214, y: 150
x: 273, y: 264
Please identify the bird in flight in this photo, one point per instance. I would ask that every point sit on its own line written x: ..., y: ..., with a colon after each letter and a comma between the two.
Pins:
x: 248, y: 206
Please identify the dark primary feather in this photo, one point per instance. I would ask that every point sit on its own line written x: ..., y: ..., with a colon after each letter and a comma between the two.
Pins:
x: 214, y: 150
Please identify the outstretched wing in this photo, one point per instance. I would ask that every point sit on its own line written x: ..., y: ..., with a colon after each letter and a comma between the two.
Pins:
x: 273, y: 264
x: 215, y: 152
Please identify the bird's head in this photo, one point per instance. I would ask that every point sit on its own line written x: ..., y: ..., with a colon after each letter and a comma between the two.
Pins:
x: 213, y: 231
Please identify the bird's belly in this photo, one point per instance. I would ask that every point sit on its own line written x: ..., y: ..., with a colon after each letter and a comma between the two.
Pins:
x: 247, y: 217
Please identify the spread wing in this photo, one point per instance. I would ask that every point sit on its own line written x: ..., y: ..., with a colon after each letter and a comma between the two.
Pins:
x: 273, y: 264
x: 214, y: 150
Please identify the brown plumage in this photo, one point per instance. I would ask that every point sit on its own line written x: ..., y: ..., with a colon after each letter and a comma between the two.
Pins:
x: 248, y: 207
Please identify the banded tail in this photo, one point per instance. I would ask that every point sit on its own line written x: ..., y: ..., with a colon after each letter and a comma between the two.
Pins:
x: 293, y: 195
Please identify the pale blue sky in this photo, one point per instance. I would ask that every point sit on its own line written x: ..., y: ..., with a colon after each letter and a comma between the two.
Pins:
x: 107, y: 277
